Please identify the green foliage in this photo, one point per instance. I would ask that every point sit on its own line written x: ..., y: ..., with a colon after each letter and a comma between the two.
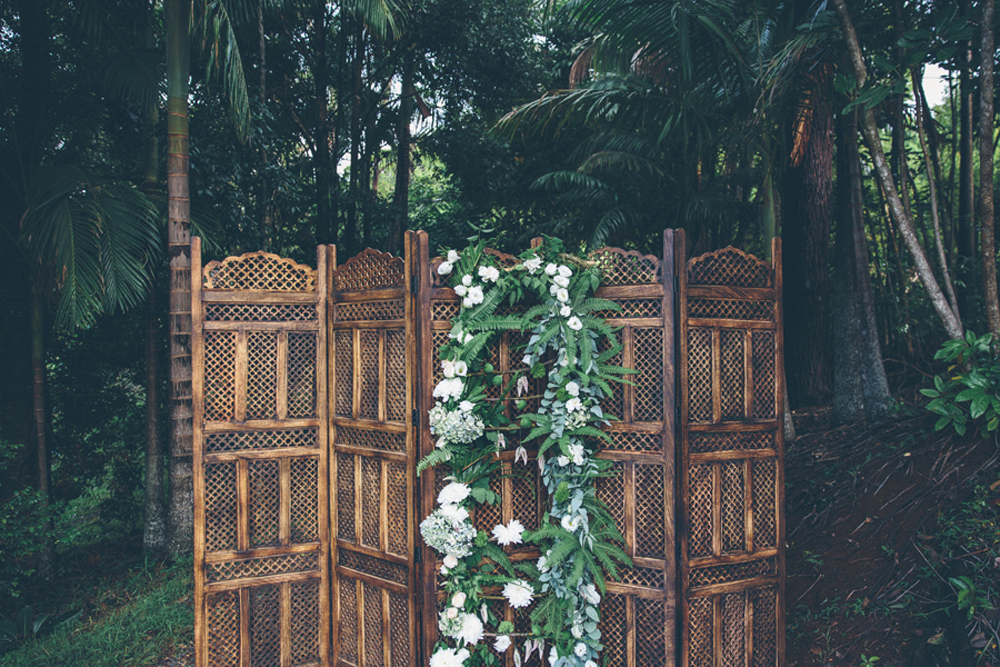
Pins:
x: 969, y: 393
x: 22, y: 528
x: 25, y: 626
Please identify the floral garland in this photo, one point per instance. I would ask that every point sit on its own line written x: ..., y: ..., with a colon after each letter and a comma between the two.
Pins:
x: 577, y: 537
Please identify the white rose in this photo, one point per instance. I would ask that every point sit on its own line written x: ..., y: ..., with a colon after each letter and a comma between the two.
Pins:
x: 458, y: 599
x: 444, y: 268
x: 565, y: 271
x: 489, y: 273
x: 467, y: 280
x: 563, y: 461
x: 562, y: 294
x: 590, y: 663
x: 450, y: 561
x: 466, y: 406
x: 551, y: 269
x: 476, y: 294
x: 580, y: 649
x: 454, y: 493
x: 561, y: 281
x: 577, y: 631
x: 574, y: 404
x: 501, y: 644
x: 453, y: 256
x: 461, y: 290
x: 574, y: 323
x: 572, y: 388
x: 533, y: 264
x: 461, y: 369
x: 565, y: 311
x: 451, y: 613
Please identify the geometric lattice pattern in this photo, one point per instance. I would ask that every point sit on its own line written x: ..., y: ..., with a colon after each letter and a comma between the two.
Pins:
x: 369, y: 270
x: 621, y: 267
x: 259, y: 271
x: 218, y: 312
x: 250, y: 440
x: 730, y: 267
x: 730, y: 309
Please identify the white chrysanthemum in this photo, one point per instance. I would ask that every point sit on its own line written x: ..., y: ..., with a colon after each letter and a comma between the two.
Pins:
x: 565, y: 311
x: 472, y: 630
x: 448, y: 368
x: 449, y: 657
x: 551, y: 269
x: 450, y: 561
x: 570, y: 522
x: 565, y: 271
x: 444, y: 268
x: 453, y: 256
x: 574, y: 322
x: 467, y: 280
x: 572, y: 388
x: 590, y: 594
x: 455, y: 492
x: 466, y: 406
x: 509, y: 534
x: 458, y: 599
x: 562, y: 294
x: 461, y: 290
x: 580, y: 649
x: 562, y: 281
x: 533, y: 264
x: 501, y: 644
x: 518, y: 593
x: 574, y: 404
x: 489, y: 273
x: 461, y: 369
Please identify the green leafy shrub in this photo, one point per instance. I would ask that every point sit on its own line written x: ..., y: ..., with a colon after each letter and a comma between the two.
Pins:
x: 969, y: 393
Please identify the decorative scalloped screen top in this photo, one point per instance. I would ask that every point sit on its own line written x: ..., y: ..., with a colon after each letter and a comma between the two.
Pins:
x: 369, y: 270
x: 621, y: 267
x: 259, y: 271
x: 729, y: 266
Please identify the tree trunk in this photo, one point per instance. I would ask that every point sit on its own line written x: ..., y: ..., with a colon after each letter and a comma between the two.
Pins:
x: 46, y: 565
x: 325, y: 227
x: 987, y: 245
x: 805, y: 232
x: 966, y: 264
x: 178, y: 39
x: 154, y: 533
x: 351, y: 228
x: 401, y: 193
x: 952, y: 325
x: 264, y: 192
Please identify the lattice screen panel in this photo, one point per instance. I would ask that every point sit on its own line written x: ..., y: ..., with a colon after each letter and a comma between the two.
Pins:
x: 730, y: 474
x: 261, y: 575
x: 373, y: 463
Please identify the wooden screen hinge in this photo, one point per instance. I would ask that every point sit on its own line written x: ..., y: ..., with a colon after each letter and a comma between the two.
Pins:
x: 418, y: 555
x: 415, y: 418
x: 677, y: 284
x: 414, y: 283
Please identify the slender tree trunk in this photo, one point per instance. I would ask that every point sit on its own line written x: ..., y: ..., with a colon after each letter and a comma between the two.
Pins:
x: 966, y: 263
x: 952, y: 325
x: 988, y: 247
x: 325, y: 227
x: 264, y: 192
x: 351, y: 229
x: 154, y: 533
x: 848, y: 395
x: 401, y: 193
x: 46, y: 566
x: 181, y: 517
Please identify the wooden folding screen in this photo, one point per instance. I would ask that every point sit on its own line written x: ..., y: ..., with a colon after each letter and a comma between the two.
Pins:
x: 730, y: 466
x: 288, y: 573
x: 260, y: 461
x: 374, y: 461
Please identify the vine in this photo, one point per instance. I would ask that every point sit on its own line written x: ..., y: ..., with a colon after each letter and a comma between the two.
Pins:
x: 577, y: 538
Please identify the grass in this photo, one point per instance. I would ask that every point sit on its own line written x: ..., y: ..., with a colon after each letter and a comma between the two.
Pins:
x: 135, y: 620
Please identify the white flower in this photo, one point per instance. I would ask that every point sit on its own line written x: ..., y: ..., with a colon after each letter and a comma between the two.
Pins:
x: 572, y: 388
x: 448, y: 388
x: 458, y: 599
x: 455, y: 512
x: 563, y: 461
x: 461, y: 290
x: 509, y: 534
x: 574, y: 404
x: 466, y: 406
x: 461, y: 369
x: 577, y: 631
x: 453, y: 256
x: 543, y: 564
x: 452, y: 612
x: 561, y: 281
x: 522, y: 454
x: 553, y: 656
x: 533, y: 264
x: 472, y: 630
x: 444, y: 569
x: 522, y: 382
x: 565, y: 271
x: 448, y: 368
x: 444, y: 268
x: 501, y: 644
x: 565, y: 311
x: 518, y: 594
x: 449, y: 657
x: 467, y: 280
x: 526, y: 361
x: 580, y: 649
x: 450, y: 561
x: 562, y: 294
x: 570, y: 522
x: 489, y: 273
x: 590, y: 663
x: 551, y: 269
x: 577, y: 452
x: 466, y: 339
x: 455, y: 492
x: 590, y: 594
x: 574, y: 323
x: 473, y: 297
